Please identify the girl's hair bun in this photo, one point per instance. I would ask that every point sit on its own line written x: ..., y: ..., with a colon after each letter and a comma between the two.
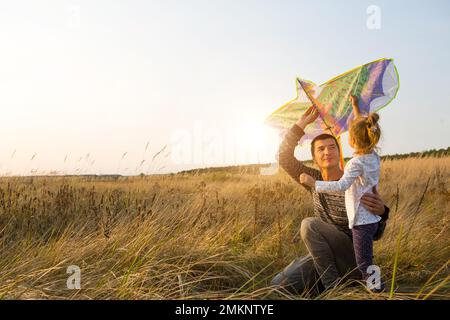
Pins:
x: 372, y: 119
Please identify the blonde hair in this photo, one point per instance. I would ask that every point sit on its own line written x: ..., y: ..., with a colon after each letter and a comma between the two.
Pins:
x: 365, y: 133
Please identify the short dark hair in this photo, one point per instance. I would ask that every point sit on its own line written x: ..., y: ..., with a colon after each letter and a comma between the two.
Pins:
x: 323, y: 136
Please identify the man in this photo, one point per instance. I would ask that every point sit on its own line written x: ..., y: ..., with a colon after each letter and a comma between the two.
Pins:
x: 327, y: 237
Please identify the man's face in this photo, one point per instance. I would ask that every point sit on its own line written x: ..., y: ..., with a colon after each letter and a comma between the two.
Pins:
x: 326, y: 153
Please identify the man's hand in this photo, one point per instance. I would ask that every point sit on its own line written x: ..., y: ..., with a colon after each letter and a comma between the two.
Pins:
x: 373, y: 202
x: 308, y: 117
x: 307, y: 180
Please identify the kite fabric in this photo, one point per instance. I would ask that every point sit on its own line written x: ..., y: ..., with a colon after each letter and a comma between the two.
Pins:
x: 375, y: 84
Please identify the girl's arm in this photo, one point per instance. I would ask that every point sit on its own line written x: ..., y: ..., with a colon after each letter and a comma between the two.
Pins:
x: 352, y: 171
x: 354, y: 101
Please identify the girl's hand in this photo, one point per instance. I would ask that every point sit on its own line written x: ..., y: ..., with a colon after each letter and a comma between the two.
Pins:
x: 307, y: 180
x: 354, y: 100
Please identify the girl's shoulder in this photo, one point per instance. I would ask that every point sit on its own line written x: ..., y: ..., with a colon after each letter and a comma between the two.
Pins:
x: 371, y: 159
x: 374, y: 155
x: 368, y: 156
x: 355, y: 161
x: 365, y: 159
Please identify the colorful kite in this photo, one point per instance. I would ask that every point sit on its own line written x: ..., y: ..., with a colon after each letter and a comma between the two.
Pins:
x: 375, y: 84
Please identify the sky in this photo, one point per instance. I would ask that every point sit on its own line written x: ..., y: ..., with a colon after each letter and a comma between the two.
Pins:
x: 106, y: 87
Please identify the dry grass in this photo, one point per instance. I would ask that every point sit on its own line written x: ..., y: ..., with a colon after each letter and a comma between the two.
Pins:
x: 216, y: 236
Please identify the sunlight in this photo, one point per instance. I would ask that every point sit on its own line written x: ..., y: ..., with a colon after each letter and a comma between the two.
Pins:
x: 255, y: 140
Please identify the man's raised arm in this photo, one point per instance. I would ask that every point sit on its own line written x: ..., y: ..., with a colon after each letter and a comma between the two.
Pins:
x: 286, y: 158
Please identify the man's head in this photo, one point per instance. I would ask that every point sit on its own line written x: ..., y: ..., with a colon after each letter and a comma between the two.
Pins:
x: 325, y: 151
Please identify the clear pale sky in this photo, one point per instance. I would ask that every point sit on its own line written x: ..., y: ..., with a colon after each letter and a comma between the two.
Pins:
x: 83, y: 82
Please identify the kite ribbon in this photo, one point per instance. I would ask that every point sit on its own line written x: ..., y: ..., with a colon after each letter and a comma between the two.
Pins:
x: 341, y: 154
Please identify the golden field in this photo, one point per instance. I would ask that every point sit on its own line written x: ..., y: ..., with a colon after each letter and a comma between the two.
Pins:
x: 208, y: 235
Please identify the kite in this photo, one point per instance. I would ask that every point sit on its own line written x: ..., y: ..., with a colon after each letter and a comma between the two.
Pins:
x: 375, y: 84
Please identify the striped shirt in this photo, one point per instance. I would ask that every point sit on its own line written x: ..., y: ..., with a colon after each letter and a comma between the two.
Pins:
x: 329, y: 207
x: 361, y: 174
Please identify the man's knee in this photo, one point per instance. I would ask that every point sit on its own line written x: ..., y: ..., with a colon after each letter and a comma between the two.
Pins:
x: 308, y: 227
x: 277, y: 280
x: 298, y: 277
x: 287, y: 283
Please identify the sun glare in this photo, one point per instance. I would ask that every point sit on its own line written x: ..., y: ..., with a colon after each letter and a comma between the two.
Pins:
x: 257, y: 140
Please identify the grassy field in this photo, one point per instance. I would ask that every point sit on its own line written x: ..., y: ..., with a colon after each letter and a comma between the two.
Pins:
x: 215, y: 235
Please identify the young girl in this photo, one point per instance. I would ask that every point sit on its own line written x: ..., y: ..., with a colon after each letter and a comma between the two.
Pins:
x: 361, y: 174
